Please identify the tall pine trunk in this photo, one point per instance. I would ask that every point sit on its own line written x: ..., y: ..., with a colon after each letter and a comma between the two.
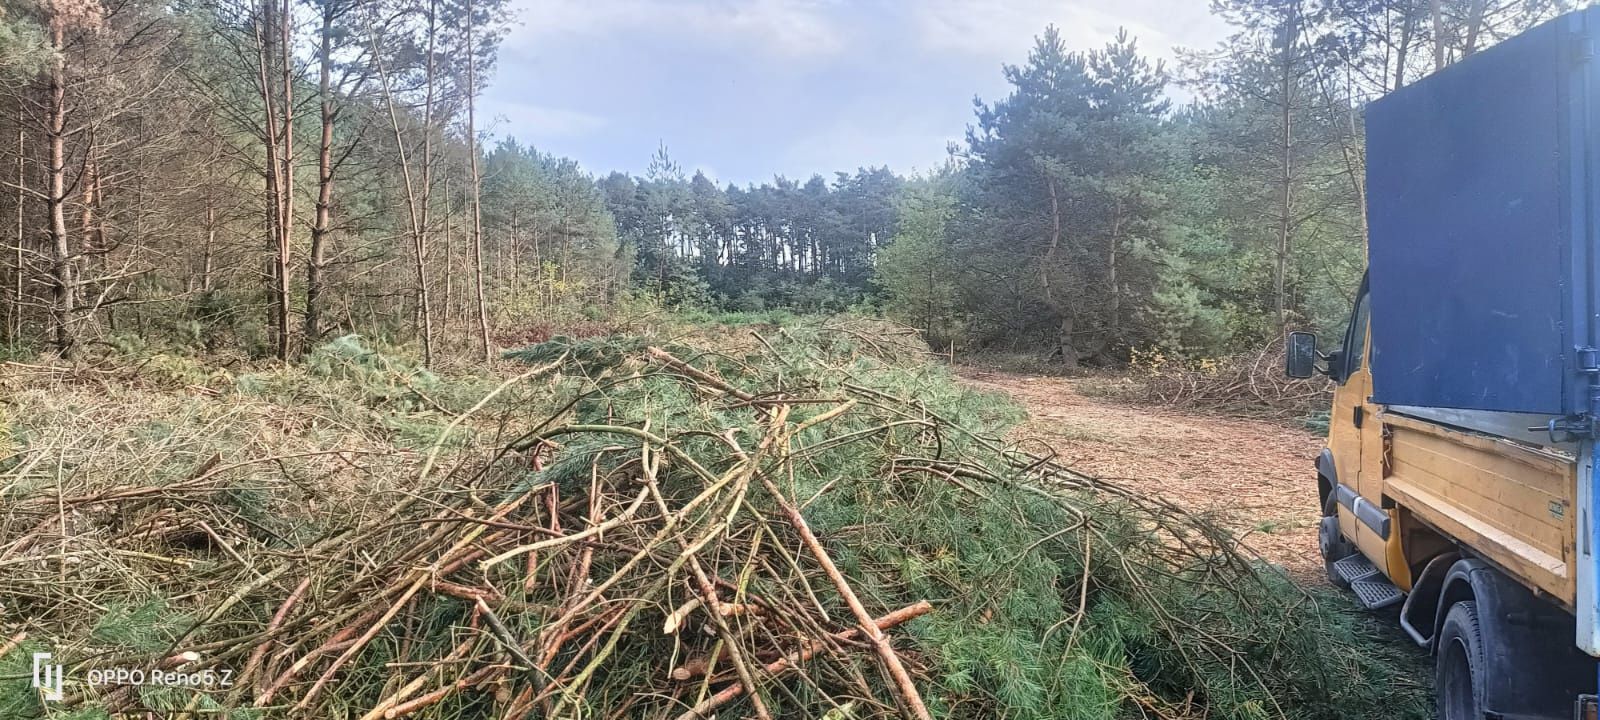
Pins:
x: 477, y: 185
x: 1407, y: 28
x: 269, y: 129
x: 1280, y: 273
x: 286, y: 216
x: 515, y: 251
x: 421, y: 200
x: 1474, y: 27
x: 448, y: 315
x: 1114, y: 308
x: 1065, y: 343
x: 209, y: 244
x: 15, y: 318
x: 1438, y: 33
x: 275, y: 58
x: 91, y: 250
x: 322, y: 224
x: 63, y: 278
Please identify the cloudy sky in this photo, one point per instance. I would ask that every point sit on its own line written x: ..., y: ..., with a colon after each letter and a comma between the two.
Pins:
x: 748, y: 89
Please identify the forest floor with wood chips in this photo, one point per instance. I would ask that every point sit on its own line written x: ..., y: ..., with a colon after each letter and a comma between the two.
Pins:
x: 1254, y: 476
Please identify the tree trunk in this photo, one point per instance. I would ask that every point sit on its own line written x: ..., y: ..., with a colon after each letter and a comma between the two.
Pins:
x: 269, y: 127
x: 286, y: 193
x: 1064, y: 340
x: 477, y: 185
x: 420, y: 228
x: 415, y: 198
x: 1407, y: 29
x: 515, y: 250
x: 1114, y: 312
x: 90, y: 238
x: 91, y: 235
x: 566, y: 246
x: 63, y: 276
x: 536, y: 246
x: 287, y: 218
x: 15, y: 318
x: 208, y: 247
x: 272, y: 45
x: 1438, y: 34
x: 450, y: 307
x: 1286, y: 157
x: 321, y: 226
x: 1069, y: 352
x: 1474, y: 27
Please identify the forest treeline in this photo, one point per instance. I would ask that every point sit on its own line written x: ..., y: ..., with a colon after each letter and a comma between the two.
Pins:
x: 263, y: 175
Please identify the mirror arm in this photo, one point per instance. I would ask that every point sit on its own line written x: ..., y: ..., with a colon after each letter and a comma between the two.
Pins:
x: 1325, y: 362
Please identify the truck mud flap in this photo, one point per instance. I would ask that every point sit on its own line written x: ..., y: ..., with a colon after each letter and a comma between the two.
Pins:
x: 1419, y: 615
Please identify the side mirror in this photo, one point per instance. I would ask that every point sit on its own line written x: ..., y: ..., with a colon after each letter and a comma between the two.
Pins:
x: 1301, y: 359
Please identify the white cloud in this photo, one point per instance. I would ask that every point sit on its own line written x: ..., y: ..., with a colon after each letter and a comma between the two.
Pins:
x: 788, y: 28
x: 528, y: 120
x: 1005, y: 28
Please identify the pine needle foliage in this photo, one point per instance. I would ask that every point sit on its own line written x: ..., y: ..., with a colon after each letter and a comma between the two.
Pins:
x: 149, y: 626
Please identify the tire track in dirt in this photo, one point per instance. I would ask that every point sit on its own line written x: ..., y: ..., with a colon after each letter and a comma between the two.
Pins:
x: 1256, y: 477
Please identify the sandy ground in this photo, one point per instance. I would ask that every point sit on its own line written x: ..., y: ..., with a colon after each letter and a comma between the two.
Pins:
x: 1256, y: 476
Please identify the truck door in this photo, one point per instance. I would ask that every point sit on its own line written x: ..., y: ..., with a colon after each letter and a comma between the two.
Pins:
x: 1356, y: 440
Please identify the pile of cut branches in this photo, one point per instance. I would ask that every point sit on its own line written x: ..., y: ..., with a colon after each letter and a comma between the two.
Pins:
x: 800, y: 524
x: 1250, y: 384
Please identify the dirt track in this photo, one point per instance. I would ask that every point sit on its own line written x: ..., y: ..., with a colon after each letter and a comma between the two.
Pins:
x: 1256, y: 476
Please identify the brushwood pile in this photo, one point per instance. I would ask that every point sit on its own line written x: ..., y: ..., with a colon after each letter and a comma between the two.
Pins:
x: 811, y: 520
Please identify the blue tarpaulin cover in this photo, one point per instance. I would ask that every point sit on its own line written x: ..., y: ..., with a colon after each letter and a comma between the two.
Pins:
x: 1479, y: 227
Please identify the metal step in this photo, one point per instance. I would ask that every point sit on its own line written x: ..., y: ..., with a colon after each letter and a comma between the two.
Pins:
x: 1376, y: 593
x: 1356, y: 568
x: 1372, y: 589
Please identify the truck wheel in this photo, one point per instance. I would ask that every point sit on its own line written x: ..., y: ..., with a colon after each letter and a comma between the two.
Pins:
x: 1459, y: 664
x: 1331, y: 543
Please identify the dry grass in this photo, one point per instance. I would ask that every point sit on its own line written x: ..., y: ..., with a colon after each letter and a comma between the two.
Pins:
x: 128, y: 476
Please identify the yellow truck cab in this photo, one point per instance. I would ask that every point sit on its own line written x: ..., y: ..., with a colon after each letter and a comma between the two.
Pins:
x: 1458, y: 487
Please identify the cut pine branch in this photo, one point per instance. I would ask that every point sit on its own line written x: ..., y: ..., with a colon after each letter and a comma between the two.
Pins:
x: 906, y: 687
x: 709, y: 706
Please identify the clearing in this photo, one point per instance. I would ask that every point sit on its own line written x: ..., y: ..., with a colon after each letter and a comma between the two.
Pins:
x: 1255, y: 476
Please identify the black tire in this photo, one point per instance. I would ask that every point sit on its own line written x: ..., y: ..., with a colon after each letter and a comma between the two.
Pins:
x: 1331, y: 543
x: 1459, y: 665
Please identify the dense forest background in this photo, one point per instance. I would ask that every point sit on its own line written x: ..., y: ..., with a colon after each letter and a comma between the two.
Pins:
x: 262, y: 176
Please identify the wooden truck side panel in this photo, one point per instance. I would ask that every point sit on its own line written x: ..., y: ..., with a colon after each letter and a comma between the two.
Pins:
x: 1512, y: 504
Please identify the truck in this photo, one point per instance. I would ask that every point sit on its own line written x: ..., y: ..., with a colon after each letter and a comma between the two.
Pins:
x: 1460, y: 489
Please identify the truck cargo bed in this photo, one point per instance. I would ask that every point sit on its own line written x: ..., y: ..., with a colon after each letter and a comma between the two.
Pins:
x: 1511, y: 503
